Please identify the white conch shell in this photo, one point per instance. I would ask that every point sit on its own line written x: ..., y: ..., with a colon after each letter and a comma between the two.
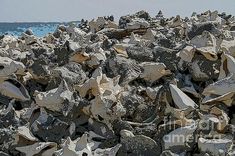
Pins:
x: 150, y: 35
x: 53, y: 99
x: 79, y: 57
x: 228, y: 47
x: 95, y: 59
x: 76, y: 147
x: 99, y: 84
x: 221, y: 91
x: 101, y: 107
x: 9, y: 42
x: 9, y: 66
x: 134, y: 39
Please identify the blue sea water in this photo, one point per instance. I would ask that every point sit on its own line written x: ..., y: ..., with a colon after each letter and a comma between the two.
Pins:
x: 39, y: 29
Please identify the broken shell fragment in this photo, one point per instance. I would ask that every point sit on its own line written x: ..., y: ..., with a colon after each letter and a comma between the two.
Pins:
x: 227, y: 66
x: 153, y: 71
x: 181, y: 100
x: 14, y: 89
x: 9, y: 66
x: 79, y: 57
x: 220, y: 87
x: 206, y: 44
x: 187, y: 53
x: 45, y: 148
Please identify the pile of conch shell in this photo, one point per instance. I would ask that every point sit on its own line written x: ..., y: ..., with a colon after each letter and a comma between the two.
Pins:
x: 143, y: 86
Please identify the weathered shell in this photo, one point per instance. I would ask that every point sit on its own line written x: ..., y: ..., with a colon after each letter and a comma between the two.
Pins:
x: 45, y: 148
x: 206, y: 44
x: 55, y: 98
x: 181, y: 100
x: 14, y: 89
x: 153, y: 71
x: 9, y: 66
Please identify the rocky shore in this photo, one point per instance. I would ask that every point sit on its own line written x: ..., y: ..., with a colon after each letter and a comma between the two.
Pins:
x: 143, y: 86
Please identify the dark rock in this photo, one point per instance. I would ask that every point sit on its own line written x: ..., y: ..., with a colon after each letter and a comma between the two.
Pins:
x: 166, y: 56
x: 127, y: 69
x: 48, y: 130
x: 29, y: 32
x: 199, y: 28
x: 140, y: 54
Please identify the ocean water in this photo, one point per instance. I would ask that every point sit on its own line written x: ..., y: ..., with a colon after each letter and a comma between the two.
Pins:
x: 39, y: 29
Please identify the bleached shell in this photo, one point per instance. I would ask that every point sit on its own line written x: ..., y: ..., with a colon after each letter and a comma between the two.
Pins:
x: 121, y: 49
x: 221, y: 87
x: 79, y: 57
x: 76, y: 147
x: 53, y: 99
x: 134, y: 39
x: 227, y: 66
x: 107, y: 110
x: 38, y: 147
x: 95, y: 59
x: 206, y: 44
x: 9, y: 66
x: 228, y: 47
x: 187, y: 53
x: 98, y: 84
x: 181, y: 99
x: 220, y: 121
x: 137, y: 23
x: 14, y: 89
x: 153, y: 71
x: 29, y: 39
x: 150, y: 35
x: 24, y: 132
x: 9, y: 41
x: 226, y: 98
x: 111, y: 24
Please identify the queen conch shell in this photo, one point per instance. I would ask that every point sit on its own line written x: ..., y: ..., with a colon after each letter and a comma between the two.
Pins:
x: 9, y: 66
x: 54, y: 99
x: 99, y: 84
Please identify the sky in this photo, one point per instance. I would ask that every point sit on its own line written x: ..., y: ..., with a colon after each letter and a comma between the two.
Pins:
x: 73, y: 10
